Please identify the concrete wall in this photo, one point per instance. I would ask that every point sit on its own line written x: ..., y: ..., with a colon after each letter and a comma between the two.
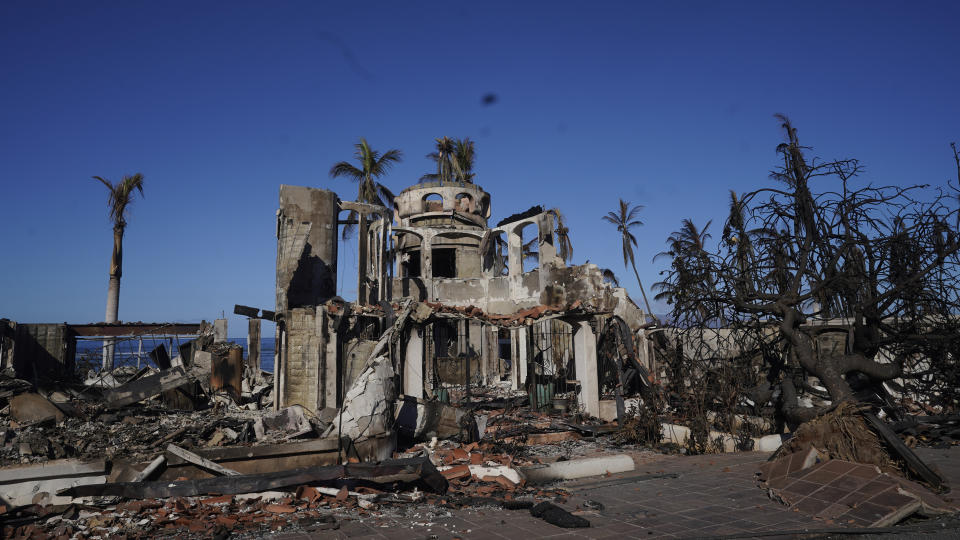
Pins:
x: 306, y: 247
x: 43, y: 351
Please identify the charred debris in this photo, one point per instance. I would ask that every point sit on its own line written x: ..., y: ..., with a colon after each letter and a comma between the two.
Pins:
x: 469, y: 349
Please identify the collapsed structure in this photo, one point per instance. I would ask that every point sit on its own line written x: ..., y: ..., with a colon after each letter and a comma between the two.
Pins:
x: 468, y: 307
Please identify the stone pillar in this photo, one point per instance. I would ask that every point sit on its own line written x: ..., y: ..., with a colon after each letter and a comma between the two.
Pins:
x: 413, y: 364
x: 585, y: 359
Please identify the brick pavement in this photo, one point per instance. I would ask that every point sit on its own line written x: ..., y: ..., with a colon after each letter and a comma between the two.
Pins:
x: 712, y: 495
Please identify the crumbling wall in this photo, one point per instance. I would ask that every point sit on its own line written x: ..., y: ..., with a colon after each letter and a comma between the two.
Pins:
x: 301, y: 369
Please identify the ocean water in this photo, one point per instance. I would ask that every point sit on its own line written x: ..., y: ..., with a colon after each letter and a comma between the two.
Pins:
x: 130, y: 351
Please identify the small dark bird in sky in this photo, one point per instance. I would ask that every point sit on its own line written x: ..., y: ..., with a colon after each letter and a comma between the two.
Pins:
x: 489, y: 98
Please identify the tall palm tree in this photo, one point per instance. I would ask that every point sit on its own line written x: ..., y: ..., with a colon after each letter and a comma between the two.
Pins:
x: 464, y: 154
x: 626, y: 217
x: 121, y: 195
x: 444, y: 160
x: 372, y: 167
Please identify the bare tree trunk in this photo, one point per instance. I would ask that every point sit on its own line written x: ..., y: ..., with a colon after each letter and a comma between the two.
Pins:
x: 113, y: 295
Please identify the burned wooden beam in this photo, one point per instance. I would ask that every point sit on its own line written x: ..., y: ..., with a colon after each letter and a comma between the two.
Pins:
x: 246, y: 311
x: 901, y: 450
x: 206, y: 464
x: 417, y: 470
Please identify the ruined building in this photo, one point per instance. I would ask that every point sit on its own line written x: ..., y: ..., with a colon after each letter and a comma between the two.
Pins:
x: 446, y: 308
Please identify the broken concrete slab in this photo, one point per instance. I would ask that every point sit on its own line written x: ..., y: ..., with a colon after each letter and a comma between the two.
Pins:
x: 290, y: 420
x: 146, y: 387
x: 367, y: 407
x: 29, y: 484
x: 31, y: 408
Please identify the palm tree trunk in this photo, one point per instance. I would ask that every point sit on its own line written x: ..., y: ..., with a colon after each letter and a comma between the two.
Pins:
x: 642, y: 291
x: 113, y: 294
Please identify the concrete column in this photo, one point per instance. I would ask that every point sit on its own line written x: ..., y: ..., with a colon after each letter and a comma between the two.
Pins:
x: 642, y: 350
x: 253, y: 346
x: 522, y: 359
x: 428, y: 355
x: 413, y: 364
x: 475, y: 334
x: 219, y: 330
x: 363, y: 294
x: 515, y: 251
x: 306, y: 247
x: 514, y: 355
x: 491, y: 351
x: 331, y: 375
x: 585, y: 359
x: 279, y: 369
x: 426, y: 258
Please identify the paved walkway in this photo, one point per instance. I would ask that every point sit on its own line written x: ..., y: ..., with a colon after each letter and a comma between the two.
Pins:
x: 711, y: 495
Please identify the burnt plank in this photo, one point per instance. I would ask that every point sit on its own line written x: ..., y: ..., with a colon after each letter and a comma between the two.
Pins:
x: 390, y: 471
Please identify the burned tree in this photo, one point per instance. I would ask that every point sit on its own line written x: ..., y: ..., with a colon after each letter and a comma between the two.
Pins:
x: 828, y: 288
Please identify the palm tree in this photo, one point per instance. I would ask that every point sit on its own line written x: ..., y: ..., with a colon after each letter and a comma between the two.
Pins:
x: 625, y: 218
x: 372, y: 167
x: 121, y: 195
x: 444, y: 160
x: 464, y: 154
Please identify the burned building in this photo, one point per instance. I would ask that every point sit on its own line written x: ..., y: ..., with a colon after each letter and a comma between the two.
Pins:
x: 454, y: 307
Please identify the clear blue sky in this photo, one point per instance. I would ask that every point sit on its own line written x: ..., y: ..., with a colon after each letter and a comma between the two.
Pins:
x: 217, y: 103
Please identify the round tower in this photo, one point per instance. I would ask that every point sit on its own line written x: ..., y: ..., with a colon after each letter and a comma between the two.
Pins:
x: 439, y: 231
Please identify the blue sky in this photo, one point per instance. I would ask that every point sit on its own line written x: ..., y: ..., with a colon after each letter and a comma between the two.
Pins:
x: 668, y: 105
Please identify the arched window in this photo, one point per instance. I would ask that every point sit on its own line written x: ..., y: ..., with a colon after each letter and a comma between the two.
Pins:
x: 464, y: 203
x: 530, y: 247
x: 432, y: 202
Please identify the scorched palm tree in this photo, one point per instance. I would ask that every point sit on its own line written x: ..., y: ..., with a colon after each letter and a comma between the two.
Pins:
x: 121, y: 195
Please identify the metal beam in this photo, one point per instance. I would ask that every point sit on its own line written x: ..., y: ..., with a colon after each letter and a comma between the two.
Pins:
x: 135, y: 329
